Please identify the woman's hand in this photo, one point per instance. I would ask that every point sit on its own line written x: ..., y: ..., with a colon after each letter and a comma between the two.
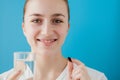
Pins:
x: 15, y: 75
x: 79, y: 73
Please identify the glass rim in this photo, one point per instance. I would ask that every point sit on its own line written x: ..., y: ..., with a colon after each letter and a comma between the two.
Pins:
x: 23, y: 55
x: 22, y: 52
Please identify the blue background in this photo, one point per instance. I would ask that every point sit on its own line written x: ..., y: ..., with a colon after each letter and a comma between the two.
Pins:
x: 94, y: 35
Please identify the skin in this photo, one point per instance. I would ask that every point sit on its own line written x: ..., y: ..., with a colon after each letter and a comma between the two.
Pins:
x: 45, y: 27
x: 79, y: 73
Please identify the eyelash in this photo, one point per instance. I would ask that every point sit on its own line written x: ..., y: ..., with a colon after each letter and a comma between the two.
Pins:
x: 57, y: 21
x: 36, y: 21
x: 53, y: 21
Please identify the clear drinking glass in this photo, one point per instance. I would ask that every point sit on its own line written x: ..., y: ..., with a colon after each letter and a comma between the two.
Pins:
x: 24, y: 61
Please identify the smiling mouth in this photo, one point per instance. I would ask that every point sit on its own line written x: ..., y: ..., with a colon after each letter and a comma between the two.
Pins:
x: 47, y: 42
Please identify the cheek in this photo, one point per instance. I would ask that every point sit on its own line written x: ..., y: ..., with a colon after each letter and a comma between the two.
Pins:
x: 31, y: 36
x: 30, y: 32
x: 62, y: 32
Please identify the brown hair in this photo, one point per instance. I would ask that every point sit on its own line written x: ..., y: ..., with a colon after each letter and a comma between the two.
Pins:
x: 66, y: 1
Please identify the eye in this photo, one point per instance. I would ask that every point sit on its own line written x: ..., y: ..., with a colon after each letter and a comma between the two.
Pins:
x: 36, y: 21
x: 57, y: 21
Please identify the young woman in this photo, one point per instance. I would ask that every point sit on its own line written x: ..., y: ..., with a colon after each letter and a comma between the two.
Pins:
x: 45, y: 25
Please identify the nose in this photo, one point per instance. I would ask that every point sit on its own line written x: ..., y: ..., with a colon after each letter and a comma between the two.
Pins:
x: 46, y: 29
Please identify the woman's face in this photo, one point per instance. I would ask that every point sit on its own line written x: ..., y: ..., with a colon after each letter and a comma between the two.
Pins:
x: 46, y: 24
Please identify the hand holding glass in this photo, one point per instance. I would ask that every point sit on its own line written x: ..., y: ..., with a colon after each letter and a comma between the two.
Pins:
x: 24, y: 61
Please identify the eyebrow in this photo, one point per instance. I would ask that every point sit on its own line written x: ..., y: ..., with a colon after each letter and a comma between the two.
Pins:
x: 36, y: 14
x: 54, y: 15
x: 58, y: 14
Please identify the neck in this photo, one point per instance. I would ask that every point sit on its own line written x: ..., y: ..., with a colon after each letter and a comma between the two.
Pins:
x: 49, y: 64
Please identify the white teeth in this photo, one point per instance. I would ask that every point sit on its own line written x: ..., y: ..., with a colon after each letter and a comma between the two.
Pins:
x: 47, y: 41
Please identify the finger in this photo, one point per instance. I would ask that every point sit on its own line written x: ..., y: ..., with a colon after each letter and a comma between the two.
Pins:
x: 77, y: 62
x: 80, y: 73
x: 77, y: 77
x: 80, y: 67
x: 70, y: 69
x: 30, y: 79
x: 15, y: 75
x: 76, y: 72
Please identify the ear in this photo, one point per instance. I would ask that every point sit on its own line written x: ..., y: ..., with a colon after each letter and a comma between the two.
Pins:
x: 68, y: 26
x: 23, y: 28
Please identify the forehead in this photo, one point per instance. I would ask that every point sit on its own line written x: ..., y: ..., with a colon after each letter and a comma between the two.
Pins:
x: 46, y: 7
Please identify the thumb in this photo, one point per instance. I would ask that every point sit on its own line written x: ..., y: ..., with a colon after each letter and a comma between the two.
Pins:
x: 30, y: 79
x: 70, y: 69
x: 15, y: 75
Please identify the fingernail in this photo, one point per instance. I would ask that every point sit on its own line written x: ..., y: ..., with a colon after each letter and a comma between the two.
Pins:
x: 19, y: 71
x: 69, y: 59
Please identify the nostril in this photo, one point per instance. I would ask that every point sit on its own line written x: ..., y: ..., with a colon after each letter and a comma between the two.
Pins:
x: 38, y: 39
x: 55, y: 39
